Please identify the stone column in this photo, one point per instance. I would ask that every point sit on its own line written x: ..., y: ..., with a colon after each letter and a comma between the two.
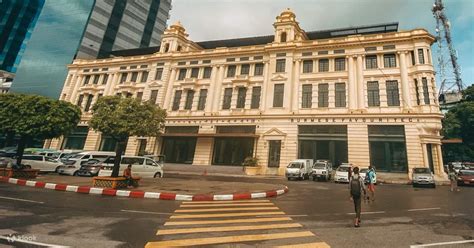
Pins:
x: 212, y: 89
x: 439, y: 167
x: 169, y: 89
x: 77, y: 84
x: 426, y: 162
x: 110, y: 83
x: 266, y: 79
x: 295, y: 83
x: 360, y: 82
x: 404, y: 80
x: 352, y: 84
x: 218, y: 89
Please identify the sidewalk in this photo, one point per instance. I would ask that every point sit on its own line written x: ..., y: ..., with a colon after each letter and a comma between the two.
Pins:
x: 213, y: 170
x: 175, y: 185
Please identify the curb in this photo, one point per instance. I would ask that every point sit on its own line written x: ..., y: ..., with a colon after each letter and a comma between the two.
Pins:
x: 143, y: 194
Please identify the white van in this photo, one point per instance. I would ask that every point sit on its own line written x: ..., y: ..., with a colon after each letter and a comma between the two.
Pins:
x: 141, y: 166
x: 300, y: 169
x: 41, y: 162
x: 73, y: 163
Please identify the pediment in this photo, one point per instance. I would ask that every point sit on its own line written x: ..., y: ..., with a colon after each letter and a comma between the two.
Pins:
x: 274, y: 132
x: 279, y: 77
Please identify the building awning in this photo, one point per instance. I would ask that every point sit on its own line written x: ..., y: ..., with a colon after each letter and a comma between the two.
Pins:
x: 210, y: 135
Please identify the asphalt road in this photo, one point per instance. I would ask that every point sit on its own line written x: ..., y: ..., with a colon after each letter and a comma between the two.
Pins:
x: 400, y: 216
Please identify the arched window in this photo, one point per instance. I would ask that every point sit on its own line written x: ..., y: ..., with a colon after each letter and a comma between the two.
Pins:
x: 167, y: 47
x: 283, y: 37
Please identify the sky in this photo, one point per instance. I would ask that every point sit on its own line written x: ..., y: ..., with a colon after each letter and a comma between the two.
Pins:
x: 223, y: 19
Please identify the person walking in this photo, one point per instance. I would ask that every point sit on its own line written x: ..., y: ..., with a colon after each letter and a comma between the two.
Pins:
x: 356, y: 188
x: 127, y: 173
x: 452, y: 175
x: 371, y: 183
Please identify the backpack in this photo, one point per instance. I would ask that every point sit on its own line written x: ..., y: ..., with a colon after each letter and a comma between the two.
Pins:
x: 355, y: 187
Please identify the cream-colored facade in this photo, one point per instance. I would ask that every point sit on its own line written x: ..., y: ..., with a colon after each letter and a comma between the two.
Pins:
x: 361, y: 98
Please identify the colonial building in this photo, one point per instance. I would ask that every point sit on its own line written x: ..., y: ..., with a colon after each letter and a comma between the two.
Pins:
x: 362, y: 95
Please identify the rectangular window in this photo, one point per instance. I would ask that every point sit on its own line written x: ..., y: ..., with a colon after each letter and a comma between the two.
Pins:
x: 258, y: 69
x: 153, y: 96
x: 189, y: 100
x: 139, y: 96
x: 144, y: 77
x: 227, y: 98
x: 307, y: 96
x: 323, y: 65
x: 417, y: 92
x: 245, y: 69
x: 307, y: 66
x: 88, y: 103
x: 134, y: 76
x: 412, y: 55
x: 182, y: 74
x: 340, y: 64
x: 340, y: 95
x: 105, y: 78
x: 421, y: 56
x: 256, y: 97
x: 323, y: 95
x: 373, y: 98
x: 241, y: 97
x: 393, y: 97
x: 280, y: 65
x: 79, y: 100
x: 128, y: 95
x: 426, y: 94
x: 86, y: 80
x: 123, y: 79
x: 96, y: 79
x: 371, y: 62
x: 176, y: 100
x: 194, y: 72
x: 231, y: 71
x: 389, y: 60
x: 159, y: 73
x: 207, y: 72
x: 278, y: 94
x: 202, y: 99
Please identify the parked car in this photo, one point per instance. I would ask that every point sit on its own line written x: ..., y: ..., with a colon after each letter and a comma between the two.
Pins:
x: 90, y: 167
x: 322, y: 169
x: 342, y: 173
x: 8, y: 152
x: 41, y: 162
x: 300, y: 169
x: 466, y: 177
x: 363, y: 173
x: 457, y: 166
x: 422, y: 176
x: 5, y: 162
x: 72, y: 164
x: 141, y: 166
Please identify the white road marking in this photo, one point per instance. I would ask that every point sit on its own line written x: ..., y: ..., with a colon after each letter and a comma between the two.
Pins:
x: 18, y: 199
x: 422, y: 209
x: 145, y: 212
x: 442, y: 243
x: 8, y: 239
x: 375, y: 212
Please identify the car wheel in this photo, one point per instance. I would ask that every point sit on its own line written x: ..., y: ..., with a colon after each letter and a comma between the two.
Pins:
x: 288, y: 178
x: 433, y: 186
x: 157, y: 175
x: 75, y: 173
x: 56, y: 170
x: 314, y: 178
x: 415, y: 185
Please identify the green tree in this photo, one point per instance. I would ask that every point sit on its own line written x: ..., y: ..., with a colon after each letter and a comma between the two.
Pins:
x: 121, y: 118
x: 33, y: 116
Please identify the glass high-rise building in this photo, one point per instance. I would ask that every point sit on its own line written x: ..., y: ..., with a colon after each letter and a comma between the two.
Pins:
x: 17, y: 21
x: 85, y: 29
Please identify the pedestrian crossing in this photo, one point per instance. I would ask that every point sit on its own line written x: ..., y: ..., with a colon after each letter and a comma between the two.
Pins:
x: 250, y: 223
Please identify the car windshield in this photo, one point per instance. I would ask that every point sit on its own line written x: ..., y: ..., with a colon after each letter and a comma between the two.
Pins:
x: 343, y: 169
x: 421, y: 170
x: 295, y: 165
x: 363, y: 171
x: 75, y: 155
x: 467, y: 172
x: 319, y: 165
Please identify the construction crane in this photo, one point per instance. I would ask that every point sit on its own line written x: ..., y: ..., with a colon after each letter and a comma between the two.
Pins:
x: 450, y: 91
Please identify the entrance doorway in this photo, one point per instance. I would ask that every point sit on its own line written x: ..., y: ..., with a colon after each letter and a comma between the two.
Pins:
x: 179, y: 149
x: 274, y: 153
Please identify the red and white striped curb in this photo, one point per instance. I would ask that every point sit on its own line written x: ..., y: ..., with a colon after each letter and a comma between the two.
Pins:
x: 143, y: 194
